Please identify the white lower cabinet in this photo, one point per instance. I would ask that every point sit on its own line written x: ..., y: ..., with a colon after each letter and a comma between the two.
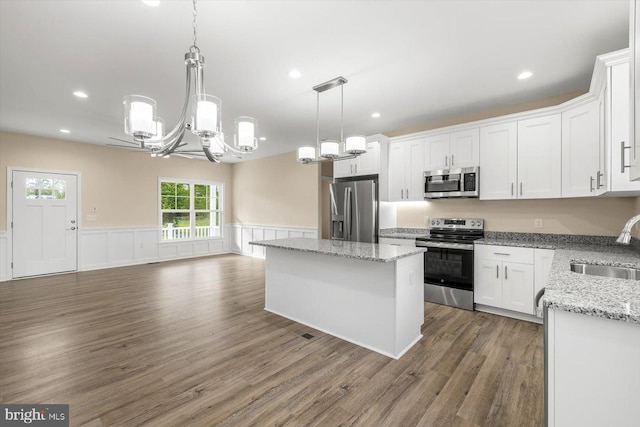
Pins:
x: 504, y: 278
x: 592, y: 371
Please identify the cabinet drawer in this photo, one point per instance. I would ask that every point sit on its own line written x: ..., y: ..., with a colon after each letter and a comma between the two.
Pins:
x: 504, y: 253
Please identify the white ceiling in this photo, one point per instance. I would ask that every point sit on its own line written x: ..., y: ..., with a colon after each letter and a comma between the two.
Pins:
x: 412, y: 61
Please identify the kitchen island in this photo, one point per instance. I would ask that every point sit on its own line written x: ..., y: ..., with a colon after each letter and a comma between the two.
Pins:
x: 365, y: 293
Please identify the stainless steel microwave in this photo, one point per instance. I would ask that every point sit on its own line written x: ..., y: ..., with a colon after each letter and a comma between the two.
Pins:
x: 448, y: 183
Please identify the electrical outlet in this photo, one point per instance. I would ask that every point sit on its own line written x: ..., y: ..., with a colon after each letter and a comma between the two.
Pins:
x: 92, y: 217
x: 538, y: 223
x: 94, y: 209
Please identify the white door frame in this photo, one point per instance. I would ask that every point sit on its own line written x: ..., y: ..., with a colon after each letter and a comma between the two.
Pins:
x: 10, y: 170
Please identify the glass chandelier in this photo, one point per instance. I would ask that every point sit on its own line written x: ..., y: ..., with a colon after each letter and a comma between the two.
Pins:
x: 330, y: 150
x: 204, y: 118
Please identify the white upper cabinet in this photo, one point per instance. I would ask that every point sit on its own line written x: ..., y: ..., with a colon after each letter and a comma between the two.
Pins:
x: 365, y: 164
x: 436, y: 152
x: 406, y: 170
x: 498, y: 161
x: 464, y: 149
x: 539, y: 157
x: 634, y: 61
x: 521, y: 160
x: 452, y: 150
x: 581, y: 174
x: 618, y: 145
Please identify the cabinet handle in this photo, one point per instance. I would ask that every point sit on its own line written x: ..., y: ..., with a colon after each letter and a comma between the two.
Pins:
x: 591, y: 184
x: 452, y: 160
x: 446, y: 160
x: 521, y: 188
x: 407, y: 193
x: 501, y: 253
x: 505, y: 273
x: 512, y: 189
x: 598, y: 182
x: 622, y: 148
x: 355, y: 168
x: 497, y: 271
x: 401, y: 194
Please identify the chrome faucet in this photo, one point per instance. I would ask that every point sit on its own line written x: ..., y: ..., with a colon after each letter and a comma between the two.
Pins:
x: 625, y: 236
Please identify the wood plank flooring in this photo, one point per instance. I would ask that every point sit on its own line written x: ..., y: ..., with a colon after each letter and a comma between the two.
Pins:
x: 187, y: 343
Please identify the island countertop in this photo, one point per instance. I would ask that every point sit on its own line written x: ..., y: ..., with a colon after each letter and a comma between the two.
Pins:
x: 345, y: 249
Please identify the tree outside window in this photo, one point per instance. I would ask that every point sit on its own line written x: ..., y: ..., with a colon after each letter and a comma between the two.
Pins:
x: 190, y: 210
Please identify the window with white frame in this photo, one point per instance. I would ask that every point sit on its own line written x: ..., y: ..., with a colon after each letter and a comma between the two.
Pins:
x: 190, y: 209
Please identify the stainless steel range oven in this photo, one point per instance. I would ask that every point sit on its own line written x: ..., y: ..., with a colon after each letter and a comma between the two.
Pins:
x: 448, y: 262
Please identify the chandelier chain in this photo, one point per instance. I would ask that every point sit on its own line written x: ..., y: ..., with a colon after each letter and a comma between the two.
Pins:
x: 195, y: 15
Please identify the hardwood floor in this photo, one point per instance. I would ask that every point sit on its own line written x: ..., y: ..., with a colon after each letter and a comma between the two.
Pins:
x: 188, y: 343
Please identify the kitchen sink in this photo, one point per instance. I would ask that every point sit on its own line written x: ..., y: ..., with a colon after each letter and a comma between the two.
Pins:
x: 606, y: 271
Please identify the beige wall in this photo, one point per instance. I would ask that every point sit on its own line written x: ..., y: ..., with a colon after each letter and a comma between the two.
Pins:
x: 486, y: 114
x: 276, y: 191
x: 589, y: 216
x: 121, y: 184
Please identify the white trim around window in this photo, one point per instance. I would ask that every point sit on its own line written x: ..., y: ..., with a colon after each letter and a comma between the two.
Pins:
x: 194, y: 208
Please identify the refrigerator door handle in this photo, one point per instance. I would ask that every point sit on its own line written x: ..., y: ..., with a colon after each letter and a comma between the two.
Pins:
x: 347, y: 213
x: 332, y: 195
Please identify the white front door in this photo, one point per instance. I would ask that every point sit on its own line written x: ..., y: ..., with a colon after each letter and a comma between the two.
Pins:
x: 44, y: 223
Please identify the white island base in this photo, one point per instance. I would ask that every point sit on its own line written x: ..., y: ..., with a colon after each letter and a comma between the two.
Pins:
x: 376, y: 305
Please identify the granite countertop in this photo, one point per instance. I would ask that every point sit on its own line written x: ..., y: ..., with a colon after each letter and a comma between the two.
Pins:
x: 617, y: 299
x: 403, y: 233
x: 356, y: 250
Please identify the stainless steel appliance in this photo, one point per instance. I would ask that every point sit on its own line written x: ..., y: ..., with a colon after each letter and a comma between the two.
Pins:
x: 354, y: 209
x: 448, y: 262
x: 447, y: 183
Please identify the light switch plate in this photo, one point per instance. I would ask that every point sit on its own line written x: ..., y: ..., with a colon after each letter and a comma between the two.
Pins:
x: 538, y: 223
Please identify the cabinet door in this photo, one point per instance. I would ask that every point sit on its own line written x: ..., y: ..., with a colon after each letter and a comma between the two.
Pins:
x: 498, y: 161
x: 539, y: 158
x: 436, y: 153
x: 634, y: 128
x: 465, y: 149
x: 517, y: 287
x: 487, y: 287
x: 368, y: 163
x: 342, y: 168
x: 414, y: 172
x: 619, y: 145
x: 580, y: 150
x: 396, y: 172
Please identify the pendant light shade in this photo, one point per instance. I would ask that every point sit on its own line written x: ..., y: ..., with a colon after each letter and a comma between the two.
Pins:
x: 245, y: 135
x: 355, y: 145
x: 329, y: 149
x: 158, y: 125
x: 205, y: 115
x: 216, y: 146
x: 306, y: 154
x: 139, y: 112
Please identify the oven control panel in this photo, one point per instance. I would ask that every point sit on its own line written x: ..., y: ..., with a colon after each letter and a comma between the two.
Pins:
x: 458, y: 223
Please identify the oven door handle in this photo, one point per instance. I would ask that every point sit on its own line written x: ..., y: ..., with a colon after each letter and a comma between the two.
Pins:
x: 460, y: 246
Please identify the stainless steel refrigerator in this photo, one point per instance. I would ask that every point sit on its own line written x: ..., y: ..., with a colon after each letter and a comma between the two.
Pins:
x: 354, y: 210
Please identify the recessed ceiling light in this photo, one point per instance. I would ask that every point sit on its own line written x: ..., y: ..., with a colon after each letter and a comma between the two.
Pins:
x: 80, y: 94
x: 524, y: 75
x: 375, y: 115
x: 153, y: 3
x: 65, y: 131
x: 263, y: 138
x: 295, y: 74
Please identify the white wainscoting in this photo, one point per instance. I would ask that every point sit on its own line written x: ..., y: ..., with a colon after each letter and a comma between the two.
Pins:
x: 4, y: 257
x: 241, y: 234
x: 114, y: 247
